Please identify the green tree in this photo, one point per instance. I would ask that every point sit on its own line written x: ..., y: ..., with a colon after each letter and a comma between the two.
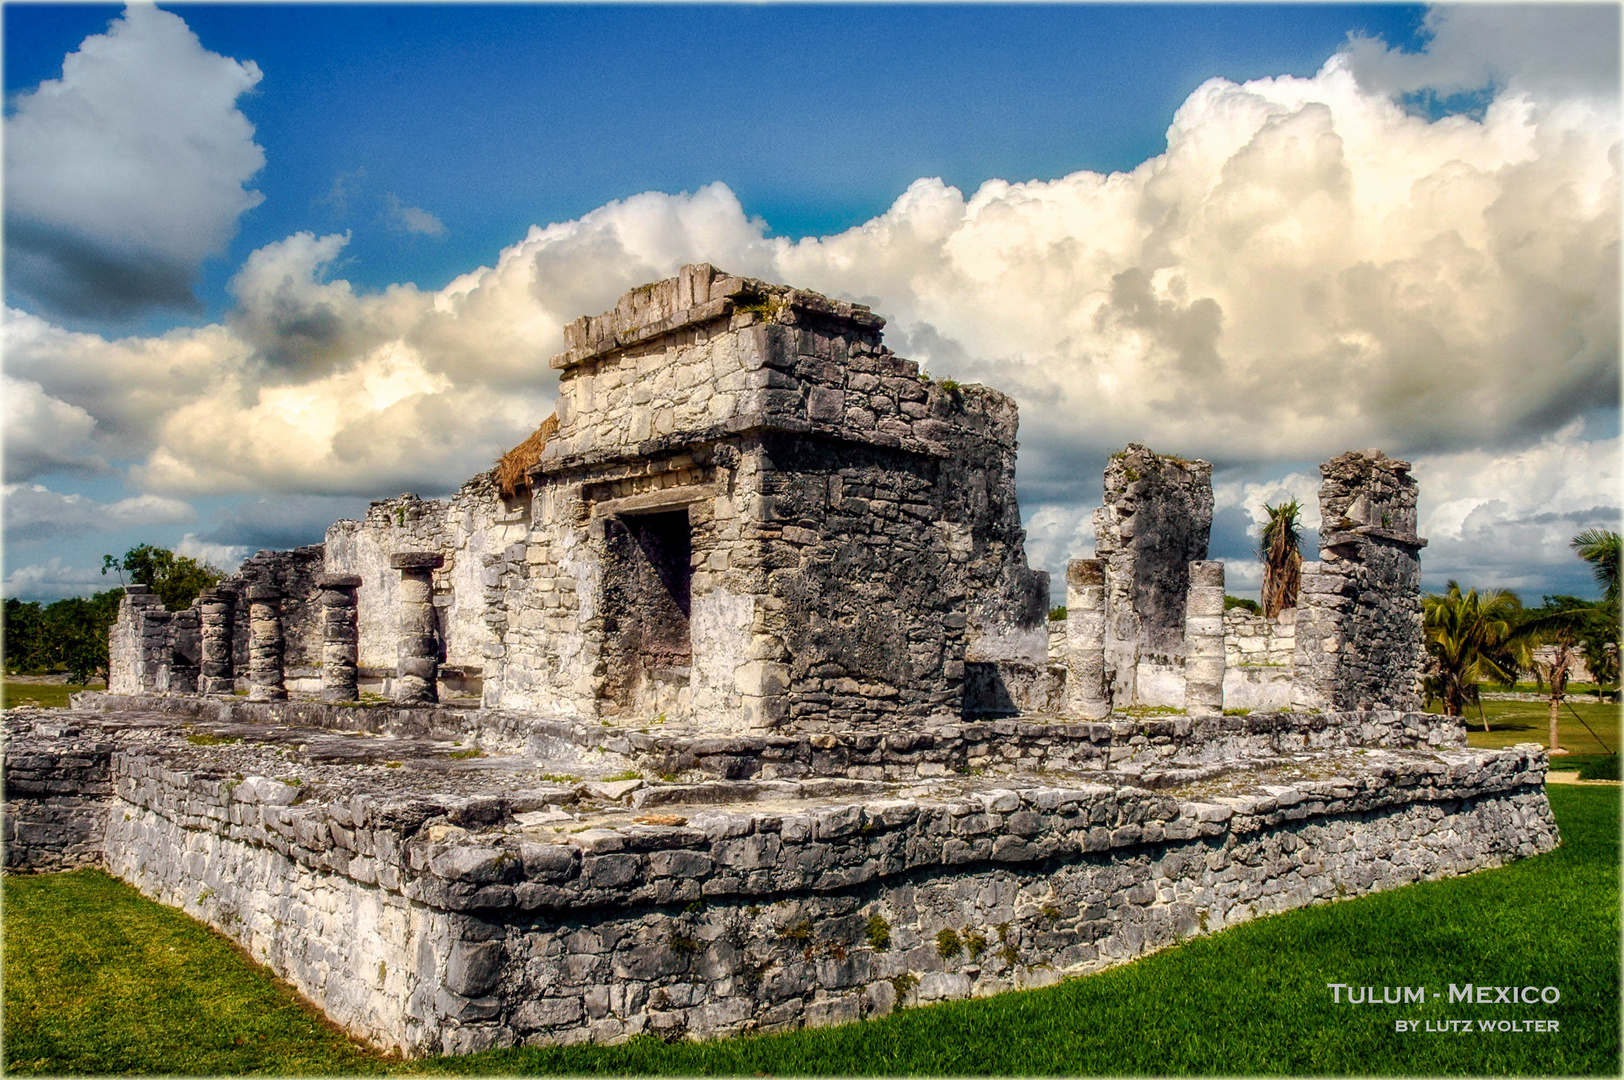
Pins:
x: 1466, y: 641
x: 1600, y: 548
x: 1282, y: 561
x: 1546, y: 641
x: 78, y: 629
x: 1599, y: 637
x: 175, y: 579
x: 68, y: 635
x: 24, y: 623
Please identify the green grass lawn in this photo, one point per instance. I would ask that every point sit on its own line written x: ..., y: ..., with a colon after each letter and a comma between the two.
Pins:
x: 1512, y: 722
x: 45, y: 695
x: 99, y: 980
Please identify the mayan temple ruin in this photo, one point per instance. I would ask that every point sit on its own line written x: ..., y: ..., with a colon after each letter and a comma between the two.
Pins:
x: 728, y: 697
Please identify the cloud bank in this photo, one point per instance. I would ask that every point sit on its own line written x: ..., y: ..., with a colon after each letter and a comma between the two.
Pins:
x: 1308, y: 268
x: 126, y: 173
x: 35, y: 512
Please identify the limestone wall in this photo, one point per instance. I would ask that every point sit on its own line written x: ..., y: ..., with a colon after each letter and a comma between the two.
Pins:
x: 1156, y: 520
x: 1258, y: 656
x: 1253, y: 639
x: 1359, y: 634
x: 138, y: 644
x: 473, y: 935
x: 293, y: 573
x: 56, y: 791
x: 896, y: 751
x: 469, y: 529
x: 850, y: 529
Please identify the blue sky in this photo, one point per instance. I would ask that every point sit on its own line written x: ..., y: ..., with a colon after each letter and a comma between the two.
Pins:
x: 497, y: 117
x: 319, y: 175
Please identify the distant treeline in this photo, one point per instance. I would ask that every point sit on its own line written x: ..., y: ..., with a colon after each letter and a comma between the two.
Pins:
x: 71, y: 635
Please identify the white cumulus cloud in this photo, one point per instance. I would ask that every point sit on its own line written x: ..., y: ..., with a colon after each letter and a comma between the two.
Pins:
x: 35, y: 512
x: 1505, y: 519
x: 225, y: 557
x: 43, y: 434
x: 1567, y: 48
x: 53, y: 580
x: 1308, y: 268
x: 126, y: 173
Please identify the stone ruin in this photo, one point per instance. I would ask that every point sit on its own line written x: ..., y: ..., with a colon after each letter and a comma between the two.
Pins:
x: 729, y: 703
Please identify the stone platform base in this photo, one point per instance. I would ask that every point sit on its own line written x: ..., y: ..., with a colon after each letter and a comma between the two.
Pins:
x: 434, y: 897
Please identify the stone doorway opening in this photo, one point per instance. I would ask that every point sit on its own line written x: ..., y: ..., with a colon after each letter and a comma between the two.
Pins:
x: 648, y: 596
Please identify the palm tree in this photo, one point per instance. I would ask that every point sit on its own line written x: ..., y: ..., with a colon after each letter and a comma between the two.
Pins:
x: 1560, y: 628
x: 1600, y: 548
x: 1282, y: 562
x: 1466, y: 637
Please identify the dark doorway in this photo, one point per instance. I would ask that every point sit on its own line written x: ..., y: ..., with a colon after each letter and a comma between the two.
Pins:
x: 648, y: 579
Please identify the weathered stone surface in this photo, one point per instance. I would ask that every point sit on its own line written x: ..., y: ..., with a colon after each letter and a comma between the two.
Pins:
x: 417, y: 666
x: 1358, y: 639
x: 770, y: 579
x: 265, y: 677
x: 1087, y: 693
x: 362, y: 885
x: 1155, y: 522
x: 1204, y: 640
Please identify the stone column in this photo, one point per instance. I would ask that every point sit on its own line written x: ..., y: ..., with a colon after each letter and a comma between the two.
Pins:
x: 1087, y: 695
x: 265, y: 643
x: 216, y: 675
x: 1204, y: 640
x: 417, y: 669
x: 338, y: 636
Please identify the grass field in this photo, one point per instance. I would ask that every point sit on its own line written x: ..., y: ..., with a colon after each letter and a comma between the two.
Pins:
x: 45, y: 695
x: 1512, y: 722
x: 101, y: 981
x: 41, y: 694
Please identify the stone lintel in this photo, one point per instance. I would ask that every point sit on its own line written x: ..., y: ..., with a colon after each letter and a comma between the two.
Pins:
x: 416, y: 560
x: 1372, y: 532
x: 338, y: 581
x: 261, y: 590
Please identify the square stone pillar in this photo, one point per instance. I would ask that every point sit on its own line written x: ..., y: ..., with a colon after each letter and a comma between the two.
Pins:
x: 418, y: 665
x: 1204, y: 640
x: 1359, y: 635
x: 265, y: 643
x: 184, y: 644
x: 1088, y: 697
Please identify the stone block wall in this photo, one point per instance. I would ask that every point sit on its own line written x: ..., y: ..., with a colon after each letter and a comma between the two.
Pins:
x: 56, y: 791
x: 1259, y: 654
x: 441, y: 925
x: 1156, y: 521
x: 850, y: 530
x: 139, y: 643
x: 1253, y: 639
x: 293, y: 574
x: 468, y: 529
x: 1359, y: 634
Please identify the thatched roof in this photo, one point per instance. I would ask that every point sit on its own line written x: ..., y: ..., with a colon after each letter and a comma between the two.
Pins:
x: 511, y: 469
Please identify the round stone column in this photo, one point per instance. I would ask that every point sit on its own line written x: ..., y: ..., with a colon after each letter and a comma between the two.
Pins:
x: 1088, y: 697
x: 1204, y: 640
x: 217, y: 673
x: 338, y: 636
x: 265, y: 643
x: 417, y: 669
